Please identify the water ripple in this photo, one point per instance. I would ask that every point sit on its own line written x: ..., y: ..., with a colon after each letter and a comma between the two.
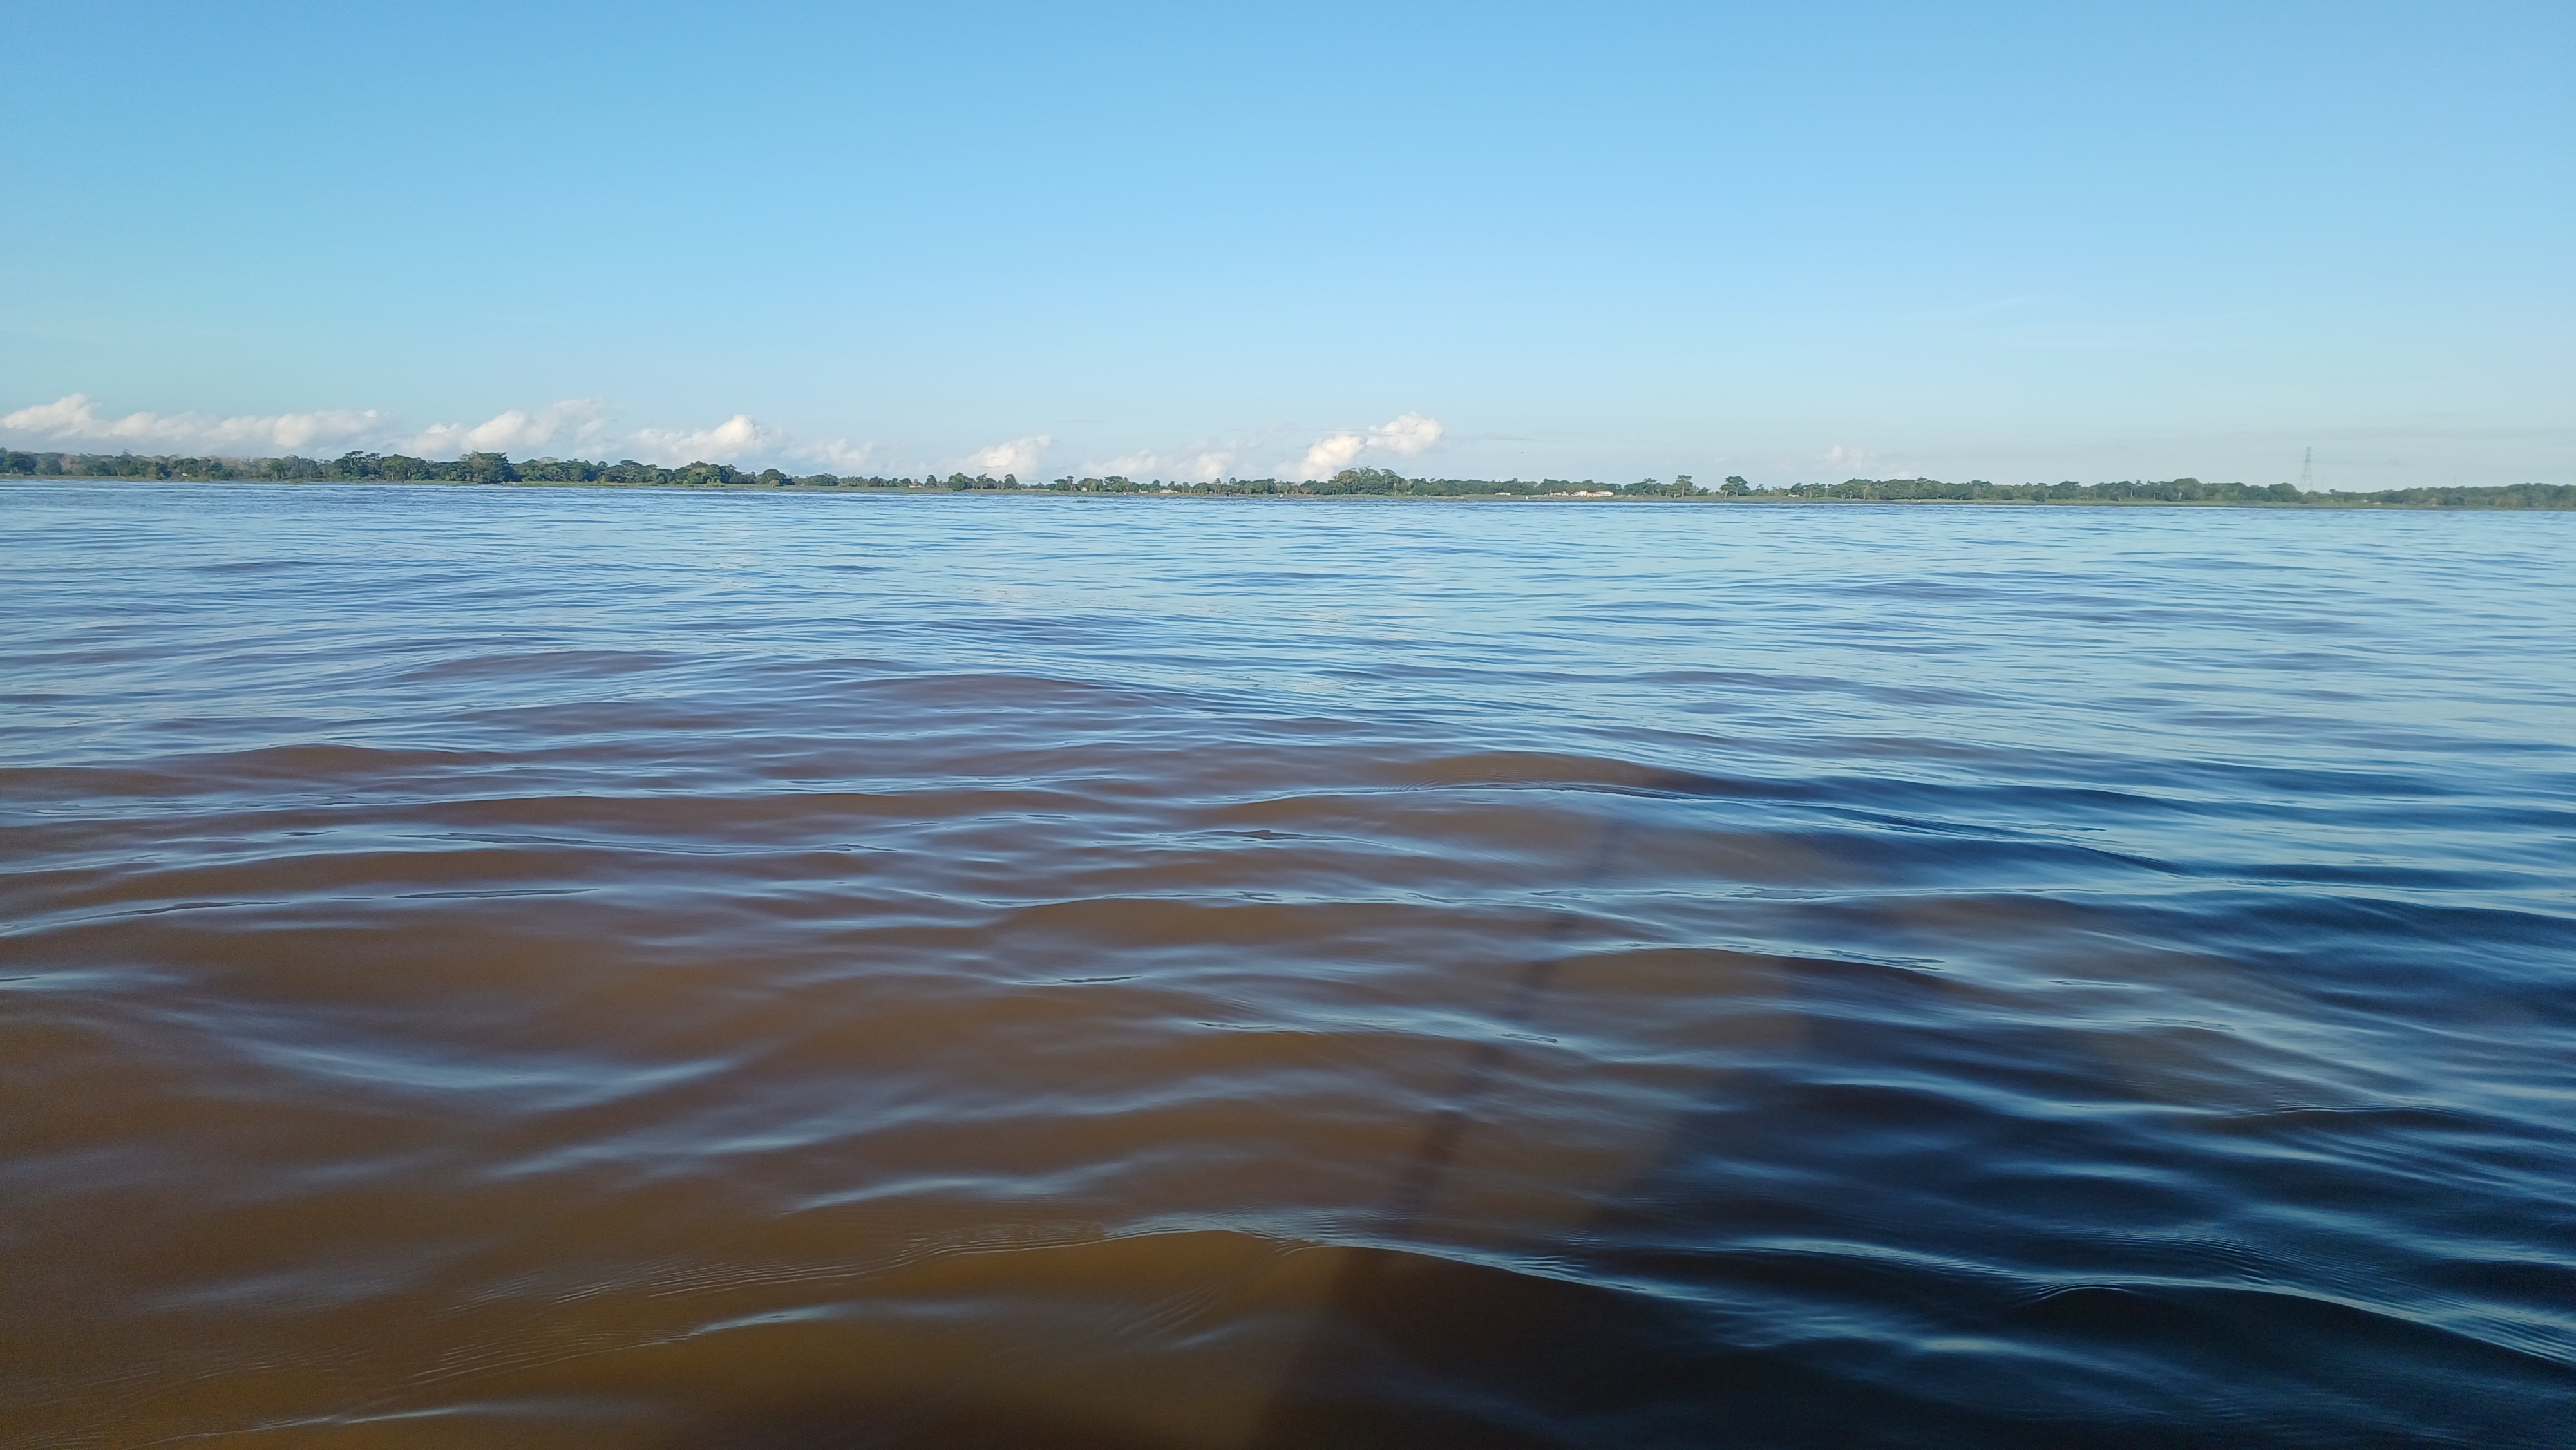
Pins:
x: 574, y: 968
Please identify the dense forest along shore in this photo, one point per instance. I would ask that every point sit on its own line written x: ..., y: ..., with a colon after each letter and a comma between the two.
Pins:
x: 497, y: 468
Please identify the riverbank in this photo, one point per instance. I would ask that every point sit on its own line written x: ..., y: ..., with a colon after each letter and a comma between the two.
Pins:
x: 2516, y: 498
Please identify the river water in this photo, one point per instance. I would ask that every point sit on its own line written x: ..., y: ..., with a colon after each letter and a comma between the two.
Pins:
x: 589, y: 968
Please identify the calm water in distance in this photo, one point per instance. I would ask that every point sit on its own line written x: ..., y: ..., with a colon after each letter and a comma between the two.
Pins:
x: 582, y: 968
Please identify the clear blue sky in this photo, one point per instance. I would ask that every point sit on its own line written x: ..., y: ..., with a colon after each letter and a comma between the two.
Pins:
x: 1787, y: 241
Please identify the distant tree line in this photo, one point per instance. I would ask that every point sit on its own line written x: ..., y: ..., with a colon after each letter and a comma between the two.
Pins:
x: 1377, y: 482
x: 2189, y: 490
x: 472, y: 468
x: 1368, y: 482
x: 1386, y: 483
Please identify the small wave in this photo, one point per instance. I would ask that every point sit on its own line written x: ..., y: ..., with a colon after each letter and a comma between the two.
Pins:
x: 492, y: 966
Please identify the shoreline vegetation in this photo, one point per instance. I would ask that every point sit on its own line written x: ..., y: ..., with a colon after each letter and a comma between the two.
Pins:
x: 497, y: 468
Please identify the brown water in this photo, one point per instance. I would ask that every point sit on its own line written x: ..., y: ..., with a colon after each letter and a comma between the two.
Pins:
x: 582, y: 968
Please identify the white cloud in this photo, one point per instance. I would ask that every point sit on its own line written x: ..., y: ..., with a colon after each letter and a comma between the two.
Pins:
x: 581, y: 422
x: 588, y: 428
x: 840, y: 454
x: 1207, y: 467
x: 1020, y: 455
x: 1406, y: 435
x: 573, y: 427
x: 74, y: 419
x: 1331, y: 455
x: 1199, y: 465
x: 1402, y: 436
x: 1127, y: 465
x: 726, y: 442
x: 1839, y: 456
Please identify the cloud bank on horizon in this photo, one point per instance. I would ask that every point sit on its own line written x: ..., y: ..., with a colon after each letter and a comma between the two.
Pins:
x: 585, y: 427
x: 575, y: 425
x: 73, y: 420
x: 2381, y: 456
x: 1400, y: 437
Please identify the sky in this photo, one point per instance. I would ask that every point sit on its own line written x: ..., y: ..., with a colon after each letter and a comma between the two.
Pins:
x: 2019, y: 242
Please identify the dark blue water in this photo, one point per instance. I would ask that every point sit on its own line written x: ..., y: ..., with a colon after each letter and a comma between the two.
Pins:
x: 596, y: 968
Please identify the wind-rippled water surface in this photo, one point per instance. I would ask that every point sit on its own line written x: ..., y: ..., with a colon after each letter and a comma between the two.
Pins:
x: 623, y: 969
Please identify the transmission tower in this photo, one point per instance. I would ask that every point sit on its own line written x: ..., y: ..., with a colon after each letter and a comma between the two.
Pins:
x: 2308, y: 471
